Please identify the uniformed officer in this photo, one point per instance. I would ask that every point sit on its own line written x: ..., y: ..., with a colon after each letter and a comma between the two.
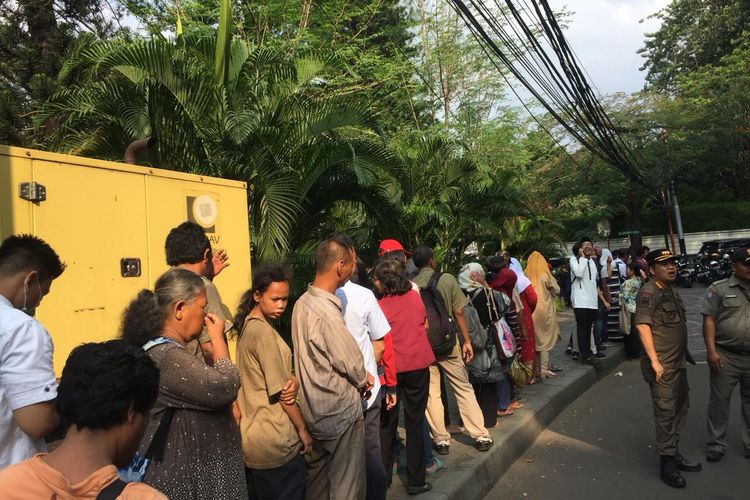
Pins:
x: 726, y: 330
x: 660, y: 320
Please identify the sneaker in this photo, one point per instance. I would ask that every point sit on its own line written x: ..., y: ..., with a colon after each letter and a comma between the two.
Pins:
x: 600, y: 355
x: 576, y: 355
x: 436, y: 465
x: 593, y: 361
x: 442, y: 447
x: 418, y: 490
x: 483, y: 443
x: 568, y: 350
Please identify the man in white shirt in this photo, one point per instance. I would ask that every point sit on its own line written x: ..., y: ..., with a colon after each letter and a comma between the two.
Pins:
x: 368, y: 325
x: 28, y: 388
x: 584, y: 292
x: 623, y: 256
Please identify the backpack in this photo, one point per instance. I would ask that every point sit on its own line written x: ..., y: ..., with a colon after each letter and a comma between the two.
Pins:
x: 441, y: 332
x: 477, y: 333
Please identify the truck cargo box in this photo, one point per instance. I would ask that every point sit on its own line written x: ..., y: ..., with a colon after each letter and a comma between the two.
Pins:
x: 108, y: 222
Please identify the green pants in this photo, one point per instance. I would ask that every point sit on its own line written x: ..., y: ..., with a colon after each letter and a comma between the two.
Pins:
x: 670, y: 401
x: 735, y: 368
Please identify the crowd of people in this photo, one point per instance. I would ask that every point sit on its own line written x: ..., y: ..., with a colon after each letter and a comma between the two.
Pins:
x: 168, y: 407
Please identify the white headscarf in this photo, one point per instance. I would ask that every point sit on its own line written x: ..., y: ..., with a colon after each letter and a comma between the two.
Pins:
x: 523, y: 282
x: 471, y: 277
x: 603, y: 259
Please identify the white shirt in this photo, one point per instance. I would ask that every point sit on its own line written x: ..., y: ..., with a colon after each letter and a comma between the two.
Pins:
x: 26, y: 378
x: 621, y: 266
x: 366, y: 322
x: 585, y: 280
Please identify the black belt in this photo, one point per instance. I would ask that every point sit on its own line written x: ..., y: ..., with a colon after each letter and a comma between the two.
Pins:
x: 734, y: 350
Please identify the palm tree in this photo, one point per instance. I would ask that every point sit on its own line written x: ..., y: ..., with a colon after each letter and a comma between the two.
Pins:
x: 222, y: 107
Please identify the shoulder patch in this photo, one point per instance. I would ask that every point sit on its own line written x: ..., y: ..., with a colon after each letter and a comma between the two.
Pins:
x: 644, y: 299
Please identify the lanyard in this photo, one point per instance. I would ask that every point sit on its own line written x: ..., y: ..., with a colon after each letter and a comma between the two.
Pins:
x: 158, y: 341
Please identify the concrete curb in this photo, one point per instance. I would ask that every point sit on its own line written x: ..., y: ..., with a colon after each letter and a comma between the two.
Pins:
x: 470, y: 474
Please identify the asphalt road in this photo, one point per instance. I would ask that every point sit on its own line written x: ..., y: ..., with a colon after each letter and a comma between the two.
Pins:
x: 601, y: 446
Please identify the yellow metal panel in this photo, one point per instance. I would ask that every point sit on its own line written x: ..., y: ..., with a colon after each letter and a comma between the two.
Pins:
x: 221, y: 210
x: 98, y: 212
x: 92, y: 218
x: 15, y: 213
x: 111, y: 165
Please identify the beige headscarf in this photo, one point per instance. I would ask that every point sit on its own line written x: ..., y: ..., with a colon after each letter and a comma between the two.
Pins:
x: 471, y: 277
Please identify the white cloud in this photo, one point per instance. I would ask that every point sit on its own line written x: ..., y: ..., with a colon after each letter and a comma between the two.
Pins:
x: 606, y: 35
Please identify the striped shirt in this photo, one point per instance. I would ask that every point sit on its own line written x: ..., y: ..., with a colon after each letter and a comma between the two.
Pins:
x: 329, y: 365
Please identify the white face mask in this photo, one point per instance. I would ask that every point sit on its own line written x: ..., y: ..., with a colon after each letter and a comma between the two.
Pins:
x: 31, y: 310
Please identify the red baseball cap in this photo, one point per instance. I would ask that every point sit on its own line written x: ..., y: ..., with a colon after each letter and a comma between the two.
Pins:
x: 391, y: 246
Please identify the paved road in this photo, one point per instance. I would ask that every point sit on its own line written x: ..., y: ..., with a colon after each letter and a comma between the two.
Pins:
x: 601, y: 446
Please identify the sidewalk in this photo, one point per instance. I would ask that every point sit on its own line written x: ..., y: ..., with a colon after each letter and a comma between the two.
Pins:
x: 470, y: 474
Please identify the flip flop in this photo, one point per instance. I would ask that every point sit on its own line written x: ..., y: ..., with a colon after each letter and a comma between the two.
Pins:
x: 504, y: 413
x: 515, y: 405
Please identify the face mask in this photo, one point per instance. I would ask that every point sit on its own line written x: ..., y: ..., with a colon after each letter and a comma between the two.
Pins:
x: 31, y: 310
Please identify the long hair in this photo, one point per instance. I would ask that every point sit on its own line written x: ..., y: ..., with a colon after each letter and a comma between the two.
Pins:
x: 262, y: 279
x: 144, y: 317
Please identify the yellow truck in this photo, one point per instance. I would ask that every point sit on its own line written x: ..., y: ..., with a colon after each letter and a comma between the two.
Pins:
x: 108, y: 222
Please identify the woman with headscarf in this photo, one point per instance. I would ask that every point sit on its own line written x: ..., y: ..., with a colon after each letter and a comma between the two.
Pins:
x: 528, y: 300
x: 486, y: 306
x: 504, y: 280
x: 546, y: 326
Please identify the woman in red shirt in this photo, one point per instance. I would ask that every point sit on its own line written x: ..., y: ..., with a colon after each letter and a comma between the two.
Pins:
x: 406, y: 315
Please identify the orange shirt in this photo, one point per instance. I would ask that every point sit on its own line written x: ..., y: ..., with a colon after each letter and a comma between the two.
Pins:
x: 35, y: 479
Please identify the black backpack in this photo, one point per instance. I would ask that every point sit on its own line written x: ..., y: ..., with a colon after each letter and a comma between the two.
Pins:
x: 441, y: 332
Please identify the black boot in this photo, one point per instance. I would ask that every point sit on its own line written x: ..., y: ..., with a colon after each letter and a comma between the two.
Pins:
x: 670, y: 473
x: 687, y: 465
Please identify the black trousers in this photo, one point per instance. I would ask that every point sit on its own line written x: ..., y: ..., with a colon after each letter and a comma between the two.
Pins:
x: 584, y: 321
x: 487, y: 398
x: 413, y: 389
x: 284, y: 482
x: 376, y: 479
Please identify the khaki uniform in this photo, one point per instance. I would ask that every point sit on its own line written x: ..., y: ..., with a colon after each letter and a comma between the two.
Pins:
x: 728, y: 302
x: 661, y: 307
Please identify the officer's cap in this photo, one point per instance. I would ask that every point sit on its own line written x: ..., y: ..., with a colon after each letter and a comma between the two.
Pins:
x: 741, y: 255
x: 662, y: 255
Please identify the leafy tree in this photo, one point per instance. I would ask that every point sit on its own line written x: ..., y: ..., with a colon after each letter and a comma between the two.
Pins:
x: 693, y: 34
x: 34, y: 38
x: 260, y: 118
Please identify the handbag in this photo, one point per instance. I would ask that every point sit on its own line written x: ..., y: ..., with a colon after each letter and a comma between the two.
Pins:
x: 502, y: 329
x: 624, y: 320
x: 519, y: 373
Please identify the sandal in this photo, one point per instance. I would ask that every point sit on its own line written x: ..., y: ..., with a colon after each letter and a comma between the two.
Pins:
x: 504, y: 413
x: 515, y: 405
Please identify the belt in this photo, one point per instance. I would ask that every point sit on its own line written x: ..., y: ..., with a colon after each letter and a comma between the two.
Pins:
x: 734, y: 350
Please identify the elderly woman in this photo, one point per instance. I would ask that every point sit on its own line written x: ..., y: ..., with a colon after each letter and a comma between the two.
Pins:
x: 546, y: 326
x: 203, y: 452
x: 486, y: 367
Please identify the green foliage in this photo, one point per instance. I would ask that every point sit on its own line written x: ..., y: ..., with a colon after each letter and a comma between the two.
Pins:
x: 266, y: 124
x: 693, y: 34
x: 34, y: 38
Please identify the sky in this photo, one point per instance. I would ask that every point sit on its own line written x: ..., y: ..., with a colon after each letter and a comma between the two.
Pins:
x: 606, y: 35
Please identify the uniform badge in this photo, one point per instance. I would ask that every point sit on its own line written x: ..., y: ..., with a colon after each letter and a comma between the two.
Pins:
x: 710, y: 291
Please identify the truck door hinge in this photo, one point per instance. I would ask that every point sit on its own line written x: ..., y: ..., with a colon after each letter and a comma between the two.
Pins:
x: 32, y: 191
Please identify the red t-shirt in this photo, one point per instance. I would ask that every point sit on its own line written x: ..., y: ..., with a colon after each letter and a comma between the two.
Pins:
x: 407, y: 317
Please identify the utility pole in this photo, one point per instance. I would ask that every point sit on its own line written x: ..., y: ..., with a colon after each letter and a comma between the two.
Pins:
x: 678, y: 219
